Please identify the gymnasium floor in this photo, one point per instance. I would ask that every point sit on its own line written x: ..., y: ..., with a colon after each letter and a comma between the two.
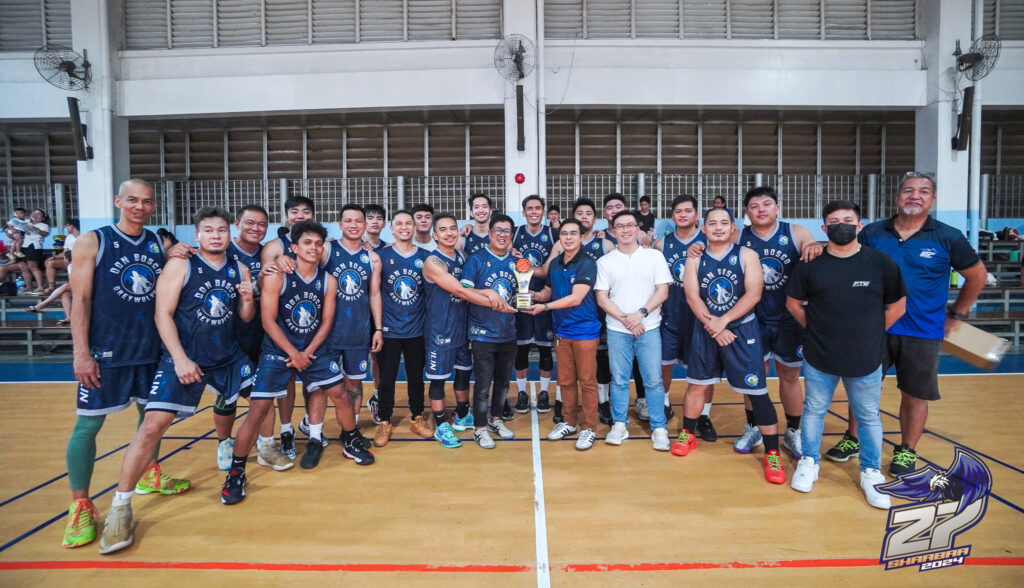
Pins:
x: 528, y: 511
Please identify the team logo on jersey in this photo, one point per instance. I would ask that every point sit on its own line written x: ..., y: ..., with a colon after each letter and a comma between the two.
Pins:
x: 216, y: 307
x: 154, y: 248
x: 404, y: 288
x: 751, y: 380
x: 679, y: 270
x: 334, y: 367
x: 800, y: 351
x: 418, y: 263
x: 733, y: 259
x: 246, y: 370
x: 928, y: 253
x: 364, y: 258
x: 595, y: 246
x: 231, y: 272
x: 783, y: 240
x: 533, y: 257
x: 303, y: 317
x: 138, y: 282
x: 544, y: 238
x: 772, y: 269
x: 318, y: 285
x: 721, y: 294
x: 350, y: 284
x: 362, y: 366
x: 503, y: 287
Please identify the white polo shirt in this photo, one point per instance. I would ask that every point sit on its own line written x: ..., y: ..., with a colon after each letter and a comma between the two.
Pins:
x: 630, y: 282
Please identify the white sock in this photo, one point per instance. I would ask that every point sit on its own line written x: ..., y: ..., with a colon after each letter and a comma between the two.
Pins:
x: 558, y: 393
x: 122, y: 498
x: 668, y: 402
x: 521, y: 382
x: 602, y: 393
x: 316, y: 431
x: 286, y: 428
x: 545, y: 383
x: 707, y: 409
x: 357, y: 419
x: 261, y: 441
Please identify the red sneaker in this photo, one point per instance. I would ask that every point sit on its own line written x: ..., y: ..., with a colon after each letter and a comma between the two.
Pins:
x: 773, y: 471
x: 684, y: 444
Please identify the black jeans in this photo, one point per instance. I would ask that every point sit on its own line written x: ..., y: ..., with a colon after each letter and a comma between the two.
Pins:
x: 492, y: 363
x: 390, y: 356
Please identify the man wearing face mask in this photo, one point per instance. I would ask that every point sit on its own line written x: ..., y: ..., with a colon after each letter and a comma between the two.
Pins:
x: 853, y: 294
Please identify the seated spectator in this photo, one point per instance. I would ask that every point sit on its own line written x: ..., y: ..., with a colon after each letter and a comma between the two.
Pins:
x: 59, y: 261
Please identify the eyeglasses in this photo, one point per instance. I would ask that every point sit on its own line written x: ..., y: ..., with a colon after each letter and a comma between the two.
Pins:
x: 626, y: 226
x: 570, y: 233
x: 502, y: 231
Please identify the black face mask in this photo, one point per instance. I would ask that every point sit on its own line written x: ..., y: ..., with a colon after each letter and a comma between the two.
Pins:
x: 841, y: 233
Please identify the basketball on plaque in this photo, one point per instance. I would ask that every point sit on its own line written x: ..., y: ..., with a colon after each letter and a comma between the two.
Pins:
x: 523, y: 272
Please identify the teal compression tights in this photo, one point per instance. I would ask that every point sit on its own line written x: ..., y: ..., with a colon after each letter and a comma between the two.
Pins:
x: 81, y: 454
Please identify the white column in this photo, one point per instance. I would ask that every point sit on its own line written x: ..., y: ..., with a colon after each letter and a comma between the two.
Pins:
x: 94, y: 29
x: 942, y: 23
x: 520, y: 16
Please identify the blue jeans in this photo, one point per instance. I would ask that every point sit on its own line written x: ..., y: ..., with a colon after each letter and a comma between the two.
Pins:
x: 864, y: 393
x: 622, y: 347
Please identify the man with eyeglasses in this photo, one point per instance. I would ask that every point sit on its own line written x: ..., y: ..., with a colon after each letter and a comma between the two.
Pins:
x: 632, y: 283
x: 925, y: 249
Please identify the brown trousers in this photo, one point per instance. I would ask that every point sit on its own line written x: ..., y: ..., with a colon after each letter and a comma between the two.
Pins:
x: 577, y: 368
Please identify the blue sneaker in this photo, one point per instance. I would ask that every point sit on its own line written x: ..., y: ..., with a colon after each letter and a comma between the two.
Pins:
x: 464, y: 423
x: 446, y: 436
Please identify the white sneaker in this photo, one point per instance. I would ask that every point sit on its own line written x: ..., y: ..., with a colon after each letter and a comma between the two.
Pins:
x: 641, y: 409
x: 659, y: 437
x: 791, y: 441
x: 483, y: 438
x: 585, y: 440
x: 498, y: 426
x: 868, y: 479
x: 225, y: 451
x: 750, y: 439
x: 560, y: 431
x: 805, y: 475
x: 617, y: 435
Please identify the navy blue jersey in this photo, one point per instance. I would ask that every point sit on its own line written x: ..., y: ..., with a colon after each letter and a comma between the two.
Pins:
x: 594, y: 247
x: 206, y: 312
x: 474, y: 242
x: 446, y: 315
x: 675, y: 312
x: 778, y: 254
x: 381, y: 244
x: 300, y: 310
x: 352, y: 270
x: 401, y: 288
x: 250, y: 334
x: 123, y: 296
x: 486, y: 270
x: 535, y: 247
x: 286, y: 245
x: 721, y: 282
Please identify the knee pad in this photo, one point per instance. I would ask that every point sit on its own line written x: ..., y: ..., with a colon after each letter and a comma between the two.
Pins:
x: 436, y: 390
x: 222, y: 408
x: 462, y: 379
x: 547, y: 361
x: 522, y: 357
x: 764, y: 410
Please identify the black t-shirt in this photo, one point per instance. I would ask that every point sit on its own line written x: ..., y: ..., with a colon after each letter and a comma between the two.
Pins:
x: 846, y: 299
x: 646, y: 221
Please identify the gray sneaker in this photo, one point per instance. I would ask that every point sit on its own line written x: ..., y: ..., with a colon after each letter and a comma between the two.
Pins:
x: 750, y: 439
x: 117, y: 531
x: 271, y: 456
x: 498, y: 426
x: 641, y: 409
x: 791, y: 441
x: 483, y: 438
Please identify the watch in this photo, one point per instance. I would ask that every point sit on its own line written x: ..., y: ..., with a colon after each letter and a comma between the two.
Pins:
x: 960, y: 316
x: 643, y: 311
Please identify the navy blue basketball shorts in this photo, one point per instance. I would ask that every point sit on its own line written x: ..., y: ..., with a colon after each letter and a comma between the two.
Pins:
x: 353, y: 362
x: 168, y: 394
x: 441, y: 362
x: 784, y: 342
x: 272, y: 375
x: 741, y: 361
x: 119, y: 386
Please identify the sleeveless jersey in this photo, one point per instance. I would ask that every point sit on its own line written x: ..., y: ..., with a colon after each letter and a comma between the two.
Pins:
x: 721, y: 282
x: 300, y: 310
x: 401, y: 288
x: 206, y: 312
x: 381, y: 244
x: 286, y: 245
x: 594, y: 247
x: 351, y: 329
x: 536, y: 248
x: 249, y: 334
x: 779, y: 255
x: 446, y: 315
x: 123, y: 296
x: 675, y: 311
x: 474, y: 243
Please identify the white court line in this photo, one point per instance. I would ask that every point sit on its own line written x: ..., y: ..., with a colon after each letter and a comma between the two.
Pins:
x: 539, y: 517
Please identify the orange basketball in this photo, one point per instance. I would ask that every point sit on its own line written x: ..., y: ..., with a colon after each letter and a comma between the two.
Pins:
x: 523, y: 265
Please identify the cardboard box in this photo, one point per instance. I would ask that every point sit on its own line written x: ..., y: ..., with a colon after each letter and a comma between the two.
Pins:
x: 975, y: 346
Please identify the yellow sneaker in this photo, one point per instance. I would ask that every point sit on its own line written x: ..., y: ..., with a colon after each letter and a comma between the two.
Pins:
x: 154, y: 481
x: 383, y: 434
x: 81, y: 527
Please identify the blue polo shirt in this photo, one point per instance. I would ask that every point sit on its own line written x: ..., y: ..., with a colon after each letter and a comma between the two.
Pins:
x: 925, y: 260
x: 579, y: 322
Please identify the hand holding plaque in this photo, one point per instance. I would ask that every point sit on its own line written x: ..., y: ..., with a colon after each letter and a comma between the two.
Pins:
x: 523, y: 272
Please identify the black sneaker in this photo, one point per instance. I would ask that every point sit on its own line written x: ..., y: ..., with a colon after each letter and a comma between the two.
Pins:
x: 846, y: 448
x: 314, y: 449
x: 354, y: 450
x: 522, y: 403
x: 557, y: 417
x: 366, y: 443
x: 507, y: 414
x: 904, y: 460
x: 543, y: 403
x: 233, y: 490
x: 669, y: 413
x: 706, y: 430
x: 604, y: 413
x: 288, y: 444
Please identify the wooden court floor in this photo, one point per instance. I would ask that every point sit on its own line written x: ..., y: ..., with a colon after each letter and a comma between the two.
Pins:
x: 423, y: 515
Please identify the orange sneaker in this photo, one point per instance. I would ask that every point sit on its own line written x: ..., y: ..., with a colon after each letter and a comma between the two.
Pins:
x: 684, y: 444
x: 383, y: 434
x: 773, y: 471
x: 419, y: 426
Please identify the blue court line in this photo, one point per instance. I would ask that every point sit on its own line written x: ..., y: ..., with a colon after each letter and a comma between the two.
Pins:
x: 38, y: 528
x: 938, y: 467
x: 107, y: 454
x: 948, y: 440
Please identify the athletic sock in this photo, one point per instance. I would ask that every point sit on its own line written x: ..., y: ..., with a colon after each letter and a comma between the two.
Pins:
x: 347, y: 436
x: 558, y: 393
x: 286, y: 428
x: 706, y: 411
x: 462, y: 408
x: 122, y: 498
x: 440, y: 417
x: 750, y: 417
x: 262, y: 441
x: 602, y: 393
x: 545, y: 383
x: 521, y: 382
x: 690, y: 424
x: 770, y: 442
x: 793, y: 422
x: 81, y: 451
x: 238, y: 463
x: 316, y: 431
